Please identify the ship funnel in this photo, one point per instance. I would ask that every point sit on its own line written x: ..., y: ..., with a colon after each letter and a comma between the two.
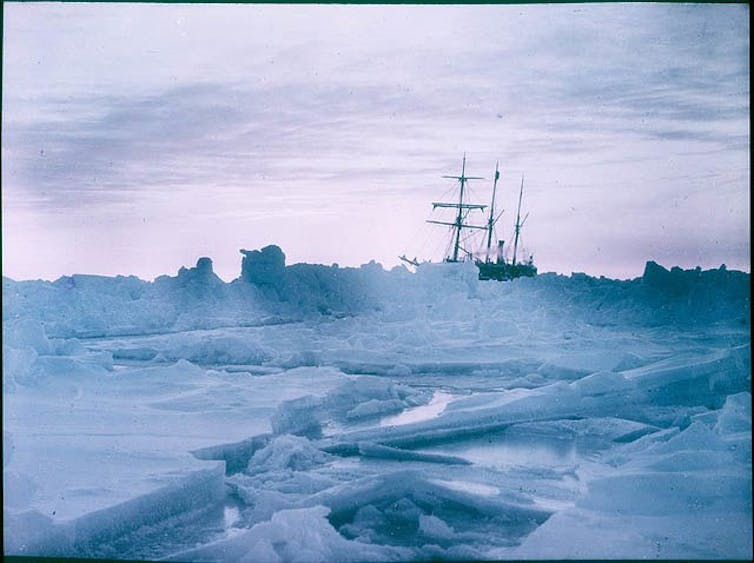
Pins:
x: 500, y: 258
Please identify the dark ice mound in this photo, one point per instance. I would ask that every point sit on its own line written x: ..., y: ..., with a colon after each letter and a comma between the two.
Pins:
x: 264, y: 267
x: 311, y: 287
x: 677, y: 281
x: 199, y: 279
x: 697, y: 295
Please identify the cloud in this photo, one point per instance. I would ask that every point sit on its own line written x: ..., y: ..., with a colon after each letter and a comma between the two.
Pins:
x: 110, y: 109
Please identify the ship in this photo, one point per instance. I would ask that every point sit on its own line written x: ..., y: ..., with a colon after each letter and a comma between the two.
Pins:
x: 490, y: 267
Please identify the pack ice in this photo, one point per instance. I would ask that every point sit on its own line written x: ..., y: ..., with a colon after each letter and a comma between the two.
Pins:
x: 313, y: 413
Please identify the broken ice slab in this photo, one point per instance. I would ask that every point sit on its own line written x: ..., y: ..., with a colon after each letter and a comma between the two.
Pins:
x: 94, y: 455
x: 101, y: 499
x: 397, y: 454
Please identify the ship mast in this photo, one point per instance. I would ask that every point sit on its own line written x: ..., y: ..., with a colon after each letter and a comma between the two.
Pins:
x: 519, y: 222
x: 492, y: 219
x: 463, y: 210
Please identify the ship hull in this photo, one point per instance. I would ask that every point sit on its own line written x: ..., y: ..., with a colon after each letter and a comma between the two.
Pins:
x: 503, y: 271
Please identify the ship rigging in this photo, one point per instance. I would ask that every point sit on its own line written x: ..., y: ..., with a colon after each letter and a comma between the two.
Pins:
x: 489, y: 269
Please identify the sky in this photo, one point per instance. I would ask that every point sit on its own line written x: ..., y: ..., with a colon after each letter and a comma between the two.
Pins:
x: 137, y: 138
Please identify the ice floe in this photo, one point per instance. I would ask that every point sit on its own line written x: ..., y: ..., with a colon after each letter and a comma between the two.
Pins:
x: 313, y: 413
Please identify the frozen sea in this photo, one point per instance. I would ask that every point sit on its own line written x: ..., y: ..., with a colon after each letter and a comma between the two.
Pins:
x: 313, y: 413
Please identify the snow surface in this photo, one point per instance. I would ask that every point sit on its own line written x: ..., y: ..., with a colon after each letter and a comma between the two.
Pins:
x: 312, y: 413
